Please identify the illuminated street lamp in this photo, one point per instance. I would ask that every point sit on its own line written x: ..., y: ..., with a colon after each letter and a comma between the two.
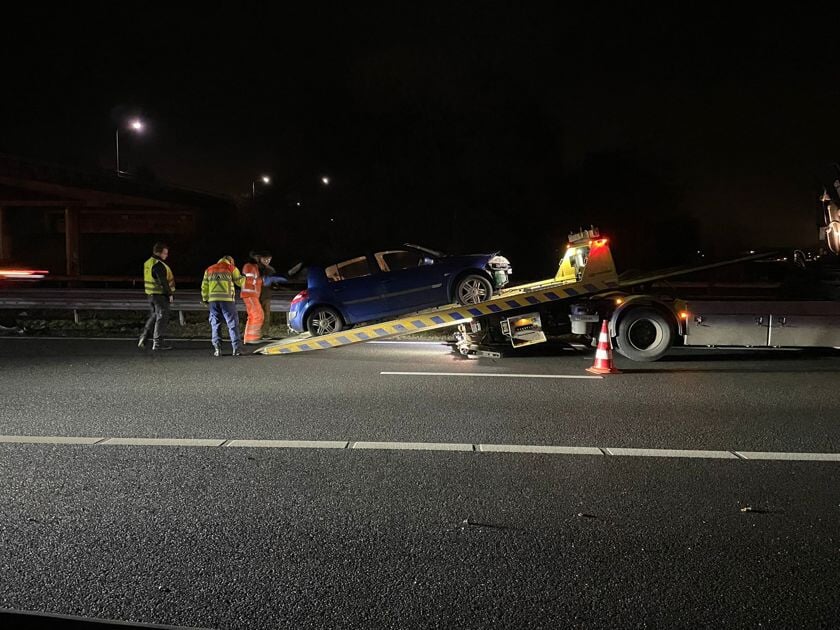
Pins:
x: 325, y: 180
x: 265, y: 179
x: 135, y: 125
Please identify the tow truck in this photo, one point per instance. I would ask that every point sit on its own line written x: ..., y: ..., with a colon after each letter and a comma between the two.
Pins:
x: 587, y: 290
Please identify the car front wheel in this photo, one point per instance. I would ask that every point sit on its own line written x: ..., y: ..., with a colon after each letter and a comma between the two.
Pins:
x: 473, y: 289
x: 323, y: 320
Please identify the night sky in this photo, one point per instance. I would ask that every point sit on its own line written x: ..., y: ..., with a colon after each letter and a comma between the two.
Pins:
x: 466, y: 128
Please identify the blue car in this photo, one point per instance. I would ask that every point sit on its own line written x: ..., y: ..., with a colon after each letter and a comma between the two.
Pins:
x: 390, y: 283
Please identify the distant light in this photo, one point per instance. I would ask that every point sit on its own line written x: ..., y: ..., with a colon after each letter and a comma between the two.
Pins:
x: 266, y: 179
x: 136, y: 124
x: 325, y: 180
x: 752, y: 251
x: 22, y: 274
x: 298, y: 203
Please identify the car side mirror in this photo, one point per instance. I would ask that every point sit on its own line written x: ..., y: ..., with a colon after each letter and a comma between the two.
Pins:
x: 426, y: 261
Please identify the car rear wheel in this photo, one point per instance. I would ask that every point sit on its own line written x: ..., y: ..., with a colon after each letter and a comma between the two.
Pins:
x: 473, y: 289
x: 323, y: 320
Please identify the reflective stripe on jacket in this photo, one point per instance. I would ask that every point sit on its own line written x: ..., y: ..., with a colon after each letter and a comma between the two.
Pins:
x: 152, y: 284
x: 219, y: 281
x: 253, y: 280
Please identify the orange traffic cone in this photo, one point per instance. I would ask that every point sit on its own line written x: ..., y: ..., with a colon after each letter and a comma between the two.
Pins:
x: 603, y: 355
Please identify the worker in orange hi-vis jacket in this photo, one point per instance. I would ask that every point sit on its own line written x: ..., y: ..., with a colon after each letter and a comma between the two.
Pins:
x: 250, y: 293
x: 258, y: 277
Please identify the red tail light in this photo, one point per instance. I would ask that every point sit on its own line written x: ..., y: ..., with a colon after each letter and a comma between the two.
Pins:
x: 300, y: 297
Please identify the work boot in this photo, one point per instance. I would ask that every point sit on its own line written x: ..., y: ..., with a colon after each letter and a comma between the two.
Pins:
x: 159, y: 346
x: 237, y: 352
x: 141, y: 343
x: 217, y: 351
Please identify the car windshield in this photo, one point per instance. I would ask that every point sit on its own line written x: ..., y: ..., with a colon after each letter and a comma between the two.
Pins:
x: 428, y: 250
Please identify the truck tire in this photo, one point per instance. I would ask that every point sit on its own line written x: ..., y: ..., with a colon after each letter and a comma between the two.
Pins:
x: 323, y: 320
x: 472, y: 289
x: 644, y: 334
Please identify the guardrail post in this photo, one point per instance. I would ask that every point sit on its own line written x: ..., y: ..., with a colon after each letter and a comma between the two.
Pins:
x: 5, y: 254
x: 76, y: 317
x: 181, y: 319
x: 71, y: 241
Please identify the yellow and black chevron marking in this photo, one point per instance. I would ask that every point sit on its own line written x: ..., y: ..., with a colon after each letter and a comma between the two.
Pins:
x: 439, y: 318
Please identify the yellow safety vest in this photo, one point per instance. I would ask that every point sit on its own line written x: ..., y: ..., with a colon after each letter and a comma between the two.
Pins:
x: 219, y: 281
x: 151, y: 283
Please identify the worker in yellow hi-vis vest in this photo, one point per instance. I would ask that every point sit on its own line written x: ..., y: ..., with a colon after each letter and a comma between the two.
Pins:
x: 217, y: 292
x: 159, y: 284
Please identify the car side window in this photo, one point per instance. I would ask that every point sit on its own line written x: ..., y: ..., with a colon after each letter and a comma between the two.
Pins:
x: 399, y: 259
x: 354, y: 268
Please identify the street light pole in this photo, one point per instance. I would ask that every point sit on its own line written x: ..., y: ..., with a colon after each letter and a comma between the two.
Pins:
x: 136, y: 125
x: 265, y: 179
x: 117, y: 139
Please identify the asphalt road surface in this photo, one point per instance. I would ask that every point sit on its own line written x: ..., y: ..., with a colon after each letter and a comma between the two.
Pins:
x: 388, y: 485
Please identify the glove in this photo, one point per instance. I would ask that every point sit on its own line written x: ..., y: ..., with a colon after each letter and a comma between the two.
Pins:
x: 270, y: 280
x: 205, y: 304
x: 171, y: 299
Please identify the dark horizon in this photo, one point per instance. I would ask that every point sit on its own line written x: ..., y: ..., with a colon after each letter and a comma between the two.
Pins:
x: 466, y: 128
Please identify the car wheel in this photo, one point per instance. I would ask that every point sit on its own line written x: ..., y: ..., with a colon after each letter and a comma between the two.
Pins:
x: 644, y: 334
x: 473, y: 289
x: 323, y: 320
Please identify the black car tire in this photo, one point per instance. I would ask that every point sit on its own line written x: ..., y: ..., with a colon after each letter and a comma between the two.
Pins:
x: 645, y: 334
x: 323, y: 320
x: 472, y: 289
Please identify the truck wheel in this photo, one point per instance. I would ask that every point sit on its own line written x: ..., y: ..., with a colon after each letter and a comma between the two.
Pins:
x: 644, y: 334
x: 323, y: 320
x: 473, y: 289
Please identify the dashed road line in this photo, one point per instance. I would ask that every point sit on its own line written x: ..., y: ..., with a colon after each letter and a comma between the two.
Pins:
x: 286, y: 444
x: 544, y: 449
x: 492, y: 375
x: 160, y: 442
x: 413, y: 446
x: 810, y: 457
x: 667, y: 452
x: 537, y: 448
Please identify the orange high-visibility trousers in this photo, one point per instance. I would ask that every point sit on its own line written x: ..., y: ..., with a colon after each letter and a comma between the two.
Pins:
x: 256, y: 317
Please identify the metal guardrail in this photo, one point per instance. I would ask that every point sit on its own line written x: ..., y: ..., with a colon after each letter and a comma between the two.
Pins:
x: 114, y: 300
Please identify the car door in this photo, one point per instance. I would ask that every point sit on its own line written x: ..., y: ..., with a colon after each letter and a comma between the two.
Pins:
x: 357, y: 288
x: 411, y: 280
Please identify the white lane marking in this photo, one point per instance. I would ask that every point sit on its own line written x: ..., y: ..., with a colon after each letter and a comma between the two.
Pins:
x: 667, y: 452
x: 810, y: 457
x: 206, y: 339
x: 125, y: 339
x: 425, y: 446
x: 160, y: 442
x: 408, y: 342
x: 487, y: 374
x: 47, y: 439
x: 287, y: 444
x: 537, y: 448
x: 413, y: 446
